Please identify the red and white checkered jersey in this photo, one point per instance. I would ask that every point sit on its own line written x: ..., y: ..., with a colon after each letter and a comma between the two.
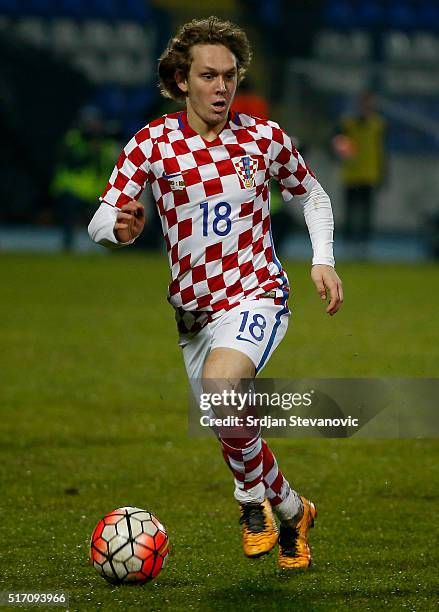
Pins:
x: 213, y: 201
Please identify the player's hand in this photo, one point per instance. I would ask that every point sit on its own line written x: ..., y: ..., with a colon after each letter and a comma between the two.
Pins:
x: 130, y: 221
x: 327, y: 280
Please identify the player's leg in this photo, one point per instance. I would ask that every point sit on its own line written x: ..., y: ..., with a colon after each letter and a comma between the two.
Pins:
x: 285, y: 502
x: 265, y: 326
x: 226, y: 370
x: 256, y: 328
x: 296, y: 515
x: 197, y: 353
x: 243, y: 340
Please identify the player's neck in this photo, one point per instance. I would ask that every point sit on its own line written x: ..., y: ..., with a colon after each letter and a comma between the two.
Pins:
x: 208, y: 131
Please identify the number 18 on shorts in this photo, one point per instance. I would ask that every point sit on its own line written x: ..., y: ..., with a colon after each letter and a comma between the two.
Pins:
x: 255, y: 328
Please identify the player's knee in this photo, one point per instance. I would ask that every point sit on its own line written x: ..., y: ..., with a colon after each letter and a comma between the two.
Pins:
x: 223, y: 363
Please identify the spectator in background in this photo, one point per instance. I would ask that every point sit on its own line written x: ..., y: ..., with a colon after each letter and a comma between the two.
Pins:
x: 87, y: 156
x: 249, y: 102
x: 359, y: 143
x: 30, y: 131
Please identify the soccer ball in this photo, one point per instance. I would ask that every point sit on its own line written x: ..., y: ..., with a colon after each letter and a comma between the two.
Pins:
x: 129, y: 545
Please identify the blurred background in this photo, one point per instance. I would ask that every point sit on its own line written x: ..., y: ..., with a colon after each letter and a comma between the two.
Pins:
x: 355, y: 83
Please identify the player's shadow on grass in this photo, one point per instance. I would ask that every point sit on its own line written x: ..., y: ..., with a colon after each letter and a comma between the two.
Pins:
x: 269, y: 596
x: 277, y: 596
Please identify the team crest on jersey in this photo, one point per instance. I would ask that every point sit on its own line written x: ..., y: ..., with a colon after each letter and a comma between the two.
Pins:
x: 175, y: 181
x: 246, y: 168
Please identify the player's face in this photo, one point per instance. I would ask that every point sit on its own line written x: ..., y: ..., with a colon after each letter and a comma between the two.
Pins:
x: 210, y: 85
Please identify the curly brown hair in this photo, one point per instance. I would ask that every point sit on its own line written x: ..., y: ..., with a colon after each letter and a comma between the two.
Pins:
x: 212, y: 31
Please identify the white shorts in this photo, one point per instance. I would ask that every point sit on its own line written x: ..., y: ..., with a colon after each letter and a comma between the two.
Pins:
x: 255, y: 328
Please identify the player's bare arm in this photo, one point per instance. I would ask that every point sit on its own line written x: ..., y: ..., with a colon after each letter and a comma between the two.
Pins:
x: 130, y: 221
x: 327, y: 281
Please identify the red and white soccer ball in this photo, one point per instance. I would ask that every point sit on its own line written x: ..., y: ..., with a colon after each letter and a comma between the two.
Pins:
x: 129, y: 545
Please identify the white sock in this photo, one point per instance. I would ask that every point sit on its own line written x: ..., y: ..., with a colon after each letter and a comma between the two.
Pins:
x: 290, y: 510
x: 255, y: 494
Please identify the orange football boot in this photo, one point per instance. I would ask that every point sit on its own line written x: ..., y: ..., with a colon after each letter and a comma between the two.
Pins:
x: 294, y: 550
x: 259, y: 530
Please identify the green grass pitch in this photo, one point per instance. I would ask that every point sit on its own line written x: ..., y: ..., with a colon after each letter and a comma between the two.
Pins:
x: 93, y: 400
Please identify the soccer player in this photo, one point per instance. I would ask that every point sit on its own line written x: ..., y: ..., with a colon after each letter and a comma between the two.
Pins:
x: 209, y: 172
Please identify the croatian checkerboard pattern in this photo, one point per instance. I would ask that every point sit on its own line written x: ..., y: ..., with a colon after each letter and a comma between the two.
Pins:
x: 213, y: 200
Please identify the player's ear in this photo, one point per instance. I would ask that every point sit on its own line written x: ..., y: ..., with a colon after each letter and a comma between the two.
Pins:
x: 181, y: 81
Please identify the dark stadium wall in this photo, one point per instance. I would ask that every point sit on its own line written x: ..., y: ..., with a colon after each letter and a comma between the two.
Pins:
x: 39, y: 98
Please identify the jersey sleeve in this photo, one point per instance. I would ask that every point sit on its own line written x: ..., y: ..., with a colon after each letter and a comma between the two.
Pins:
x: 297, y: 180
x: 130, y: 173
x: 287, y: 166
